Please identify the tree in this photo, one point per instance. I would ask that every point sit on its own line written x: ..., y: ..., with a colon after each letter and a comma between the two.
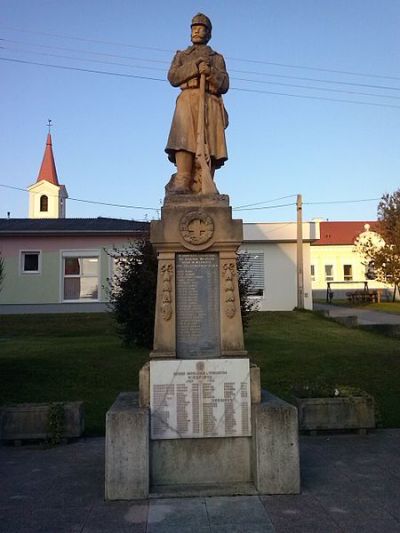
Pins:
x: 132, y: 291
x: 381, y: 251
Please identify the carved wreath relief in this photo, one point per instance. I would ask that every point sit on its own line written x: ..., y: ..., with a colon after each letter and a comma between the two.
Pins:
x: 166, y: 298
x: 196, y: 227
x: 229, y: 273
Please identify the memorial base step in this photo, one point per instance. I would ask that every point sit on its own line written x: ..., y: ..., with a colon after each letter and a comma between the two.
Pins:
x: 191, y: 491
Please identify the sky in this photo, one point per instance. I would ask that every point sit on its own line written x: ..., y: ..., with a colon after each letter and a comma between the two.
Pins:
x: 298, y: 123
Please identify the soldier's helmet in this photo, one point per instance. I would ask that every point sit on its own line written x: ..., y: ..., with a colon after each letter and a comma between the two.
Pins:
x: 202, y: 20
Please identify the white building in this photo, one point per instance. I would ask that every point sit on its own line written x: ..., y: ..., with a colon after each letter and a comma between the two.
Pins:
x: 273, y: 253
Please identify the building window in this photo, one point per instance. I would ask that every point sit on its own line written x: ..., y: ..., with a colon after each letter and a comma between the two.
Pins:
x: 347, y: 272
x: 328, y: 272
x: 312, y: 268
x: 30, y: 262
x: 44, y: 203
x: 80, y: 278
x: 256, y: 272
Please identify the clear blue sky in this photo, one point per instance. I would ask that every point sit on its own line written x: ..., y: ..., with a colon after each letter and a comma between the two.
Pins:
x: 110, y: 131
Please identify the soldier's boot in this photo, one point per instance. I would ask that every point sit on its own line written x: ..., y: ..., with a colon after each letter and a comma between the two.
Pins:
x: 179, y: 184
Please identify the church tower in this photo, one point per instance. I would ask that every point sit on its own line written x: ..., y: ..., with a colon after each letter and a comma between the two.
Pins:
x: 47, y: 197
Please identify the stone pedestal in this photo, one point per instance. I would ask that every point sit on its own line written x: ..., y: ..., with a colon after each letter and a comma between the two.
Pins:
x: 212, y: 431
x: 265, y: 463
x: 197, y: 240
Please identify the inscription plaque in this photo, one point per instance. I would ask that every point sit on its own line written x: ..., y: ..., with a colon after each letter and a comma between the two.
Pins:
x: 197, y: 306
x: 200, y: 398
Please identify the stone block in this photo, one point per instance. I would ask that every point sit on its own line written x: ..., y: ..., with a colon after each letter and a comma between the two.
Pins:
x: 200, y: 461
x: 144, y: 386
x: 27, y: 421
x: 255, y: 384
x: 127, y: 449
x: 275, y: 450
x: 354, y: 412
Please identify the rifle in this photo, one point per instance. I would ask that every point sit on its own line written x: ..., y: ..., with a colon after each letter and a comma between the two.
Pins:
x: 202, y: 157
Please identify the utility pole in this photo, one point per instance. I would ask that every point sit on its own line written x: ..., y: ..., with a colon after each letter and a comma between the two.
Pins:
x: 300, y: 273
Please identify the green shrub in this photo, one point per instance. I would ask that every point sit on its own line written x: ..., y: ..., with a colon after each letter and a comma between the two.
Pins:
x: 132, y: 293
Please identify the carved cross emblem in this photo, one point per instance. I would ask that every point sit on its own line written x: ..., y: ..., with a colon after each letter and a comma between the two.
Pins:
x: 196, y: 227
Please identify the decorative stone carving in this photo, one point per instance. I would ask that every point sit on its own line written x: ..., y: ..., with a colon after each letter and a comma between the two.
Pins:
x: 166, y: 299
x: 196, y: 227
x: 229, y: 273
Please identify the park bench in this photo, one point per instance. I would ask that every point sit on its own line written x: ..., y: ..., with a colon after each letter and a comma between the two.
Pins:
x: 362, y: 296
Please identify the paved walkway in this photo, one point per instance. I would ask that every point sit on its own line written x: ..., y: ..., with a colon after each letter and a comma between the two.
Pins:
x: 350, y: 483
x: 365, y: 317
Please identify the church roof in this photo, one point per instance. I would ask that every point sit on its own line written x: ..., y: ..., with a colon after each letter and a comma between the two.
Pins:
x: 48, y: 171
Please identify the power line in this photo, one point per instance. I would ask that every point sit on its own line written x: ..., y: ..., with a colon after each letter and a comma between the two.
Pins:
x: 266, y: 201
x: 336, y: 82
x: 319, y: 69
x: 343, y: 201
x: 313, y: 87
x: 84, y: 39
x: 309, y: 87
x: 61, y: 56
x: 90, y: 52
x: 86, y: 201
x: 312, y: 203
x: 239, y: 208
x: 123, y: 75
x: 266, y: 207
x: 244, y: 60
x: 323, y: 98
x: 301, y: 78
x: 64, y: 67
x: 114, y: 205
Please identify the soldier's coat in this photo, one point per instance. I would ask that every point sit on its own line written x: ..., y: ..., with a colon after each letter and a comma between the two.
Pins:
x: 184, y: 73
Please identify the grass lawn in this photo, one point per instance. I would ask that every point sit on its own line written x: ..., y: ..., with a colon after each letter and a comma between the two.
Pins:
x: 79, y: 357
x: 66, y: 357
x: 384, y: 307
x: 299, y: 347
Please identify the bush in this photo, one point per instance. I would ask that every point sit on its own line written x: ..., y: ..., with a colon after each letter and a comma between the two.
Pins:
x: 132, y: 292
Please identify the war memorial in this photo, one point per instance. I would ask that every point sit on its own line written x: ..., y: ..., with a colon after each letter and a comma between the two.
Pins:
x: 200, y: 425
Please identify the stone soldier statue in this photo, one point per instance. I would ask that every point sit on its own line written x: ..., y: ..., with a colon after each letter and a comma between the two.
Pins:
x: 196, y: 143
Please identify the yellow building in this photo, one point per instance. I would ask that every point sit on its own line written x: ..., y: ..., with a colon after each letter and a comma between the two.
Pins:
x: 335, y: 261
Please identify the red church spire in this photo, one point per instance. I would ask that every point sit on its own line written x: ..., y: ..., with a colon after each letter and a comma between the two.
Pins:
x: 48, y: 170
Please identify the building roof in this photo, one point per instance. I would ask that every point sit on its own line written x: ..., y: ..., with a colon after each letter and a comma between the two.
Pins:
x: 48, y: 170
x: 50, y: 226
x: 332, y: 233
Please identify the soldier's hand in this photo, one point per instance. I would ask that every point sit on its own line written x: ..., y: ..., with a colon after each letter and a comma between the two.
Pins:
x: 204, y: 68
